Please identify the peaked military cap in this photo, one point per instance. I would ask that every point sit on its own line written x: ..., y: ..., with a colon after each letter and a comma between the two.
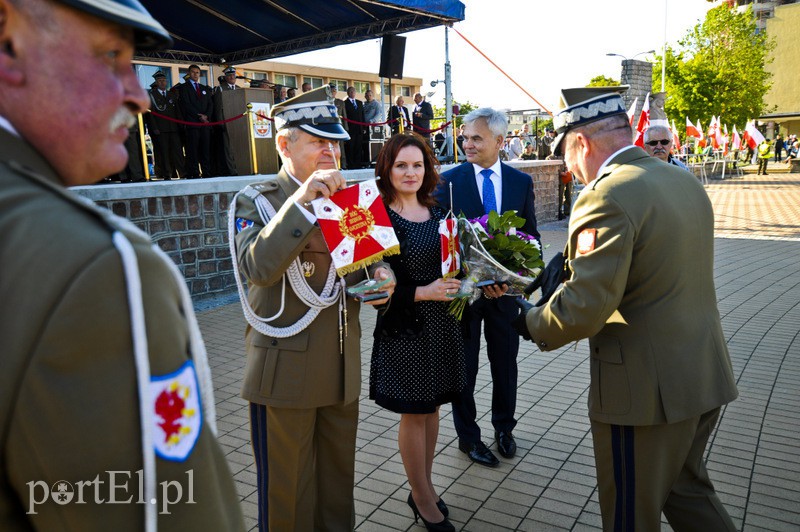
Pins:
x: 159, y: 74
x: 314, y: 112
x: 584, y: 105
x: 148, y: 33
x: 229, y: 70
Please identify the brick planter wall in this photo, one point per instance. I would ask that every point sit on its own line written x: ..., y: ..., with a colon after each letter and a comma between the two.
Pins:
x: 189, y: 219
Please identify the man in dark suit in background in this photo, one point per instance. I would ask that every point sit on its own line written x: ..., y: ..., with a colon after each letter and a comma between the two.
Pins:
x: 165, y: 133
x: 480, y: 185
x: 197, y: 106
x: 354, y: 111
x: 399, y: 112
x: 423, y: 113
x: 225, y: 162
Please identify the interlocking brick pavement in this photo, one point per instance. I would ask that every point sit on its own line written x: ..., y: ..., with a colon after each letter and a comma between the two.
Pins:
x: 753, y: 456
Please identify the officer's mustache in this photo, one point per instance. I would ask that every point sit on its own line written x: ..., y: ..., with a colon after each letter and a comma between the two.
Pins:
x: 122, y: 118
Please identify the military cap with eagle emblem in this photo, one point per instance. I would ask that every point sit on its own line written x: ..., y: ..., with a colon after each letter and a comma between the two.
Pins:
x: 148, y: 33
x: 229, y: 70
x: 314, y: 112
x: 584, y: 105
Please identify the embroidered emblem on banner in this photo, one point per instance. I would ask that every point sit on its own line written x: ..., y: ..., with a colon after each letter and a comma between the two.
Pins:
x: 242, y: 224
x: 586, y: 240
x: 175, y: 399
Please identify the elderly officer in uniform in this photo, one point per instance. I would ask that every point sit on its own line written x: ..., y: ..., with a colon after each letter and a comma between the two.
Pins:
x: 164, y: 132
x: 105, y: 392
x: 303, y: 374
x: 641, y: 287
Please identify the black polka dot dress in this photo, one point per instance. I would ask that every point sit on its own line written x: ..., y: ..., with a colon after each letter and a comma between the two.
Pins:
x: 417, y: 373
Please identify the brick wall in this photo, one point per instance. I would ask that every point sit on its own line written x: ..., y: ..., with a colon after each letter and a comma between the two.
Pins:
x: 189, y: 219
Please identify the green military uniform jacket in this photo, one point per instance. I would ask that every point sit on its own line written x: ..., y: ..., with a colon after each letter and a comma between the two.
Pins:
x: 305, y: 370
x: 69, y: 404
x: 640, y: 250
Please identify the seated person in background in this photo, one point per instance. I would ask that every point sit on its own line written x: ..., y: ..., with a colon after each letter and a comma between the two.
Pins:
x: 658, y: 144
x: 528, y: 154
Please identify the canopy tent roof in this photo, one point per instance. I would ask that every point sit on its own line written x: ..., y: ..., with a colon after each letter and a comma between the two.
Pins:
x: 239, y: 31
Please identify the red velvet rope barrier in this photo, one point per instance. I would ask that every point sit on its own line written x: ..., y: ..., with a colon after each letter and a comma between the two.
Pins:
x: 185, y: 123
x: 415, y: 127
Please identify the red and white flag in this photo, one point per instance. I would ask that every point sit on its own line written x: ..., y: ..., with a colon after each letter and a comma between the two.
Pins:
x: 676, y: 140
x: 356, y: 227
x: 632, y: 111
x: 754, y: 136
x: 644, y: 122
x: 725, y: 140
x: 451, y: 256
x: 736, y: 143
x: 713, y: 129
x: 692, y: 130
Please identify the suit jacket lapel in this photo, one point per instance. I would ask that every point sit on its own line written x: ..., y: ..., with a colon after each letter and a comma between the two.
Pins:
x: 509, y: 194
x: 469, y: 186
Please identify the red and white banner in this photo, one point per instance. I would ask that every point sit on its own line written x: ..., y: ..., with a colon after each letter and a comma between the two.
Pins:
x: 451, y: 256
x: 644, y: 122
x: 356, y: 227
x: 692, y: 130
x: 632, y: 111
x: 736, y: 144
x: 676, y: 139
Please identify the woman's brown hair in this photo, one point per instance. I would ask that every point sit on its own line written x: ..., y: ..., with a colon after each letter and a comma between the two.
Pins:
x: 386, y: 158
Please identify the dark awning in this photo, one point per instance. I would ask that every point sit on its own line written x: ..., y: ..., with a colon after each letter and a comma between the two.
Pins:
x: 239, y: 31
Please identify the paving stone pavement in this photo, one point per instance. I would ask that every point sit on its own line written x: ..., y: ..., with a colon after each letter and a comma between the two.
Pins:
x: 753, y: 456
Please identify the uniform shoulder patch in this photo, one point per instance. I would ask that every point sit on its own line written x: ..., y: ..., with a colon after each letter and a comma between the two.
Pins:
x: 242, y: 224
x: 586, y: 240
x: 177, y: 414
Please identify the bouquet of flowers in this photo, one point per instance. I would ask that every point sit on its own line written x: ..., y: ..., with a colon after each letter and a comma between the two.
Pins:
x: 493, y: 249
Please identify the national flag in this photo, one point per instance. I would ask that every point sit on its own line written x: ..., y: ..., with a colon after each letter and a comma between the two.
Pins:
x: 676, y: 140
x: 736, y: 144
x: 754, y: 136
x: 356, y: 227
x: 448, y: 237
x: 632, y: 111
x: 725, y: 140
x: 692, y: 131
x: 713, y: 129
x: 644, y: 122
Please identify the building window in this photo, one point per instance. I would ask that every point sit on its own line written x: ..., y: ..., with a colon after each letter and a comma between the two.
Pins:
x: 341, y: 85
x: 249, y: 74
x: 145, y: 74
x: 286, y: 80
x: 203, y: 75
x: 314, y: 82
x: 361, y: 86
x: 405, y: 91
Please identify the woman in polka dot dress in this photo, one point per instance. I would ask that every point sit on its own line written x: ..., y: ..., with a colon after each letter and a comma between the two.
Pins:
x: 418, y: 352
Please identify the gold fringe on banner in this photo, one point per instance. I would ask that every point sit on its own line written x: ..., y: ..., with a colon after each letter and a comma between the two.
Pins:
x: 350, y: 268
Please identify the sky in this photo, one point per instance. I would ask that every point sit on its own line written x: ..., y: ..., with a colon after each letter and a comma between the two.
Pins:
x: 544, y: 45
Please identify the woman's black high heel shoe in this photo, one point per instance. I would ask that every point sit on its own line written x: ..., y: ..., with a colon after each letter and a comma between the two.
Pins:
x: 442, y: 526
x: 443, y: 507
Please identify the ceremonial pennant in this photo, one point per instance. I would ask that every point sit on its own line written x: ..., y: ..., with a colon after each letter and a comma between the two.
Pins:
x: 356, y: 227
x: 448, y: 236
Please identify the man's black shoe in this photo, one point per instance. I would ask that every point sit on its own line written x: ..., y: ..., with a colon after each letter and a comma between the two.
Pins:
x: 506, y: 444
x: 479, y: 453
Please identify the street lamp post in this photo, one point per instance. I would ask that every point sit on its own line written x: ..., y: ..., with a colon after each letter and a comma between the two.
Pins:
x: 634, y: 57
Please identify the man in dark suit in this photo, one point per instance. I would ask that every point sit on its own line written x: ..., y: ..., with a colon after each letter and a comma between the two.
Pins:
x: 480, y: 185
x: 197, y: 106
x: 641, y: 288
x: 399, y: 113
x: 354, y: 112
x: 423, y: 113
x: 225, y: 162
x: 164, y: 132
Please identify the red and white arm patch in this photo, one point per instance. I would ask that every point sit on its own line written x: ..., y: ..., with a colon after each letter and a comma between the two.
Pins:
x: 586, y: 241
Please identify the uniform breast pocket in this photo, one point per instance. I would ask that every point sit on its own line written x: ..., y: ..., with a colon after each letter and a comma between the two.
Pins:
x: 610, y: 390
x: 284, y: 371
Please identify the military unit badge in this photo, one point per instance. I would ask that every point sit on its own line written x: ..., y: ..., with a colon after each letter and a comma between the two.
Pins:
x: 175, y: 399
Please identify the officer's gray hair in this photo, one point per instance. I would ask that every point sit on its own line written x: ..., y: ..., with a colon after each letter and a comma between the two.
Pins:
x: 496, y: 120
x: 291, y: 136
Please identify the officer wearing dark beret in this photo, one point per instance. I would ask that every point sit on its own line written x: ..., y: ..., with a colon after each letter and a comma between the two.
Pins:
x: 640, y: 285
x: 107, y: 415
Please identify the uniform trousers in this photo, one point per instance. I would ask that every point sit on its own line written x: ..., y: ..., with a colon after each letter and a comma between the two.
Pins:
x: 502, y: 346
x: 168, y: 155
x: 645, y: 470
x: 306, y: 462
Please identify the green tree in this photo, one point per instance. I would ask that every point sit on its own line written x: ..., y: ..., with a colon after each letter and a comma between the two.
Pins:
x: 438, y: 110
x: 717, y: 69
x: 602, y: 81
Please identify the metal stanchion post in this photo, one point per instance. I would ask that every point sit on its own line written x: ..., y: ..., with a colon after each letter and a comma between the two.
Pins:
x: 144, y: 148
x: 252, y: 136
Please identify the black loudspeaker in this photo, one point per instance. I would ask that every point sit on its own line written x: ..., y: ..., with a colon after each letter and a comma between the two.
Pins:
x: 393, y: 52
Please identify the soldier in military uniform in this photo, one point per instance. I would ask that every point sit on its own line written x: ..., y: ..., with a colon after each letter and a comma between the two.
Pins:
x: 165, y: 133
x: 226, y: 163
x: 303, y: 373
x: 641, y: 288
x: 105, y: 389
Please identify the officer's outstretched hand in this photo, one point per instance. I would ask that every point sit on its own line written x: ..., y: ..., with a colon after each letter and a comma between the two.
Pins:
x: 549, y: 279
x: 519, y: 323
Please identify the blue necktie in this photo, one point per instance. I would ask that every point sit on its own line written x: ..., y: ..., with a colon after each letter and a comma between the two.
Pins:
x: 489, y: 201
